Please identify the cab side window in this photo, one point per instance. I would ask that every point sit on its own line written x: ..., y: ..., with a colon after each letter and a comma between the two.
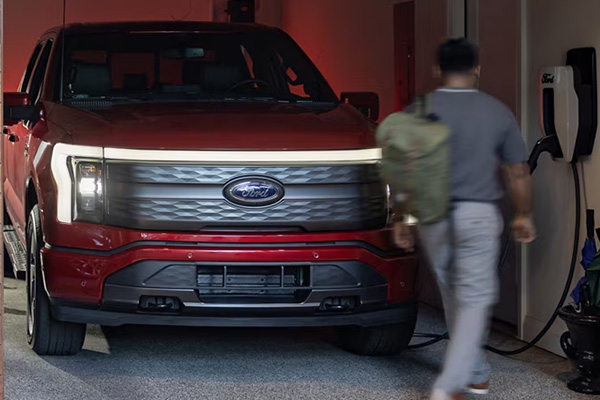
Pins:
x: 37, y: 80
x: 30, y: 66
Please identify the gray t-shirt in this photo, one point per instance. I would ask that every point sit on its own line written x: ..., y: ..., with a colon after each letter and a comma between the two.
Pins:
x: 485, y: 134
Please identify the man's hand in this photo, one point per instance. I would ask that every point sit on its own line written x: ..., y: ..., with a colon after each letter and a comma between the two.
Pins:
x: 524, y: 229
x: 403, y: 236
x: 520, y: 186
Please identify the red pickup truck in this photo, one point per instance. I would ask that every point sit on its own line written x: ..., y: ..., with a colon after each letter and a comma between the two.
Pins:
x: 197, y: 174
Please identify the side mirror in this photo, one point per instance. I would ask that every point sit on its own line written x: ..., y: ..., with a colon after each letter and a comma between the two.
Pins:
x: 17, y: 107
x: 366, y: 102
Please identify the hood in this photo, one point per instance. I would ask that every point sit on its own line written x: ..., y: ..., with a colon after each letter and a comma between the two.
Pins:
x: 215, y: 126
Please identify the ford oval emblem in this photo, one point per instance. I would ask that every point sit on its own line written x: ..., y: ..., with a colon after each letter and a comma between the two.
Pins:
x: 253, y: 192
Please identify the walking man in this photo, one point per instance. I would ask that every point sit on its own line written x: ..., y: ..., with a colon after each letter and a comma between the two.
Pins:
x: 464, y: 248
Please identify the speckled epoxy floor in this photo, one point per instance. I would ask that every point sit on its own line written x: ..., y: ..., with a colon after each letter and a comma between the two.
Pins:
x: 134, y: 363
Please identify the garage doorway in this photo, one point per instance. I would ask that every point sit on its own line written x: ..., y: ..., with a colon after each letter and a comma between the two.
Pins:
x: 404, y: 43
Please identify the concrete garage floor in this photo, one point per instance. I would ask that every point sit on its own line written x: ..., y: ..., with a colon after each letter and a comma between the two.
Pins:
x: 229, y: 364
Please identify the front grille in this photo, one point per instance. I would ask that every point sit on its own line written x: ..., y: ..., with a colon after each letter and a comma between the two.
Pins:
x: 190, y: 197
x: 156, y: 213
x: 243, y: 283
x: 266, y: 277
x: 210, y: 175
x: 272, y: 283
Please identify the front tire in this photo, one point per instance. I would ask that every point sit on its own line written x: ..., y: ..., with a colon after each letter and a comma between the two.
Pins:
x: 384, y: 340
x: 45, y: 335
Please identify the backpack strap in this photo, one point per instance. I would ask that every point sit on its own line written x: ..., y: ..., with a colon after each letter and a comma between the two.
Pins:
x: 423, y: 105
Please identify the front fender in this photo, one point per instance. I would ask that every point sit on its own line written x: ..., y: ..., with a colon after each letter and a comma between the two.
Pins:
x: 40, y: 186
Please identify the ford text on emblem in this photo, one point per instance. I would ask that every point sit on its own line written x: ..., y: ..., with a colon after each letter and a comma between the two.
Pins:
x: 253, y: 192
x: 547, y: 78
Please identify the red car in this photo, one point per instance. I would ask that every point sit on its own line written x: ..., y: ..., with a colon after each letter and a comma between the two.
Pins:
x: 197, y: 174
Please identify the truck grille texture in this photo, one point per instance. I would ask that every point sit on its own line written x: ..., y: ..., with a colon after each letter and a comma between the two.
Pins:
x: 191, y: 197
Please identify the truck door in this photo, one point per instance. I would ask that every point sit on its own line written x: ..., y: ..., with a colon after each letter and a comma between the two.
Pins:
x: 10, y: 197
x: 19, y: 141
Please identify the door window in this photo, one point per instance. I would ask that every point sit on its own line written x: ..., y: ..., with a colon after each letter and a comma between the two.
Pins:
x: 37, y: 79
x: 30, y: 66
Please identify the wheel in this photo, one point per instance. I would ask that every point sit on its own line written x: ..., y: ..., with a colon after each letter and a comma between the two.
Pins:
x: 385, y: 340
x: 45, y: 335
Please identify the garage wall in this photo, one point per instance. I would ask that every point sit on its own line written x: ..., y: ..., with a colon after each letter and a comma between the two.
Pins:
x: 352, y: 42
x: 547, y: 260
x: 499, y: 38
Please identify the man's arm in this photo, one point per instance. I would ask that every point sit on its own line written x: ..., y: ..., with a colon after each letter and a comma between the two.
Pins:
x: 520, y: 186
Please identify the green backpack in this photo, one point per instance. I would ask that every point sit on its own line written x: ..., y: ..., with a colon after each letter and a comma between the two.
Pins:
x: 416, y: 160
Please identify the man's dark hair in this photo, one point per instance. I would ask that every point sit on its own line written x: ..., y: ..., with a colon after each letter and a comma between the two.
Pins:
x: 457, y: 56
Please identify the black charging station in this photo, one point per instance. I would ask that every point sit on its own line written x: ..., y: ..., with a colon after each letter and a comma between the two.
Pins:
x: 583, y: 62
x: 584, y: 66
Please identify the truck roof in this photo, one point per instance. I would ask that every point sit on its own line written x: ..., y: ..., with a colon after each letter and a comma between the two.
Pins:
x: 158, y: 26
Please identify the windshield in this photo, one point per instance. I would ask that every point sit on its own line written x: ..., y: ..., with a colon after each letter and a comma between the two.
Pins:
x: 190, y: 66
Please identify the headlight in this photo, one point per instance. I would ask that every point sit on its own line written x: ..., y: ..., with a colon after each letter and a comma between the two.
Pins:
x: 88, y: 204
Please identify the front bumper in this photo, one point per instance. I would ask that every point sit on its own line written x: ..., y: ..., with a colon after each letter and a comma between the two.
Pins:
x: 108, y: 287
x: 82, y: 313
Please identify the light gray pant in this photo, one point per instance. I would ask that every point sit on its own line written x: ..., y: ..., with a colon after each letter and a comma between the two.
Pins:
x: 463, y: 250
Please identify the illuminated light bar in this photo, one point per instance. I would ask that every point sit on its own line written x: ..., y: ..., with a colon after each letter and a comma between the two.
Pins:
x: 366, y: 156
